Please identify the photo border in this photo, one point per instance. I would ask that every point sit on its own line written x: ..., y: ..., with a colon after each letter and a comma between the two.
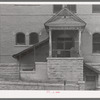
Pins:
x: 20, y: 94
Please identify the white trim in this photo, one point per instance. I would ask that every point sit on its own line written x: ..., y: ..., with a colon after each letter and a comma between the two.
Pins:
x: 65, y: 27
x: 50, y: 44
x: 65, y: 58
x: 79, y: 42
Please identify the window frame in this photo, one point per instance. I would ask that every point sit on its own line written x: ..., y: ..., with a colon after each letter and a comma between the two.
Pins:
x: 70, y: 8
x: 64, y: 50
x: 90, y: 78
x: 35, y: 37
x: 66, y: 6
x: 94, y: 11
x: 56, y: 8
x: 93, y: 43
x: 16, y: 39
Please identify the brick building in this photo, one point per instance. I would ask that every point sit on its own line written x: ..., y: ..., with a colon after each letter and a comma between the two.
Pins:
x: 50, y: 43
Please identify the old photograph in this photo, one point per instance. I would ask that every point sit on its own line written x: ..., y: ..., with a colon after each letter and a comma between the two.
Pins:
x: 49, y: 46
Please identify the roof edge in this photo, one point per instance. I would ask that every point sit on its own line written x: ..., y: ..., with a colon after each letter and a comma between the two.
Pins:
x: 95, y: 70
x: 30, y: 48
x: 74, y: 15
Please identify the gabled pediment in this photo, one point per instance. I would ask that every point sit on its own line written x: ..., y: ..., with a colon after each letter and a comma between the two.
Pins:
x: 65, y: 18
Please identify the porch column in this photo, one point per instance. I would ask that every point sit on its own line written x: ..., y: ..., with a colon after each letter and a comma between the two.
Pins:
x: 50, y: 43
x: 80, y: 42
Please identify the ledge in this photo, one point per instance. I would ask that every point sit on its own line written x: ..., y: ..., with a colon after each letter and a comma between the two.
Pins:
x: 95, y: 54
x: 21, y: 46
x: 81, y: 82
x: 40, y: 63
x: 65, y: 58
x: 29, y: 83
x: 8, y: 64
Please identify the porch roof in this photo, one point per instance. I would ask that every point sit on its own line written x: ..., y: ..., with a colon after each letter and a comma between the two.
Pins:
x: 26, y: 51
x: 68, y: 22
x: 65, y: 18
x: 93, y: 66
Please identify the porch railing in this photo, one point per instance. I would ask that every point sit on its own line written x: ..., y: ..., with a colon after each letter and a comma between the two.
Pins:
x: 65, y: 53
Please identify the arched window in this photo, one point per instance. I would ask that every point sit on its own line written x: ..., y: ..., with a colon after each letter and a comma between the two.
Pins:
x: 20, y: 38
x: 96, y: 43
x: 33, y: 38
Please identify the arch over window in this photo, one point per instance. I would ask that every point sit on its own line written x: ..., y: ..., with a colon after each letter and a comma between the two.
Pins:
x: 33, y: 38
x: 96, y: 43
x: 20, y: 38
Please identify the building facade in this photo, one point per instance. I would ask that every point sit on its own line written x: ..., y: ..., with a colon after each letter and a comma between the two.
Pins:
x: 51, y: 43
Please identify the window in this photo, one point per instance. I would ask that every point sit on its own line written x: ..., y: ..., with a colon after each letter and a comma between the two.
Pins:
x: 64, y: 43
x: 20, y: 38
x: 96, y: 43
x: 90, y: 78
x: 63, y: 46
x: 95, y: 8
x: 33, y: 38
x: 72, y: 8
x: 57, y: 8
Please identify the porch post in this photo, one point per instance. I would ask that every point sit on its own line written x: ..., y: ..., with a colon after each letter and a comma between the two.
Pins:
x: 80, y: 42
x: 50, y: 43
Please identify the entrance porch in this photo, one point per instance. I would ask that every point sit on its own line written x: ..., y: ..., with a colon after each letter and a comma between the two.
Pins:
x: 61, y: 53
x: 65, y: 43
x: 65, y: 61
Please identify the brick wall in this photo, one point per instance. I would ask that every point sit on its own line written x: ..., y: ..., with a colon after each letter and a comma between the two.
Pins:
x: 68, y: 69
x: 9, y: 72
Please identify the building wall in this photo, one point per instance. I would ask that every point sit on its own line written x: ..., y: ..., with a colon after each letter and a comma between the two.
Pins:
x: 92, y: 26
x: 27, y: 19
x: 15, y: 19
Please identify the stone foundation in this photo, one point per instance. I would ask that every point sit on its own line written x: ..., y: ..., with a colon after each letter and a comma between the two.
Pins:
x: 22, y: 85
x: 65, y: 69
x: 9, y: 74
x: 9, y: 71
